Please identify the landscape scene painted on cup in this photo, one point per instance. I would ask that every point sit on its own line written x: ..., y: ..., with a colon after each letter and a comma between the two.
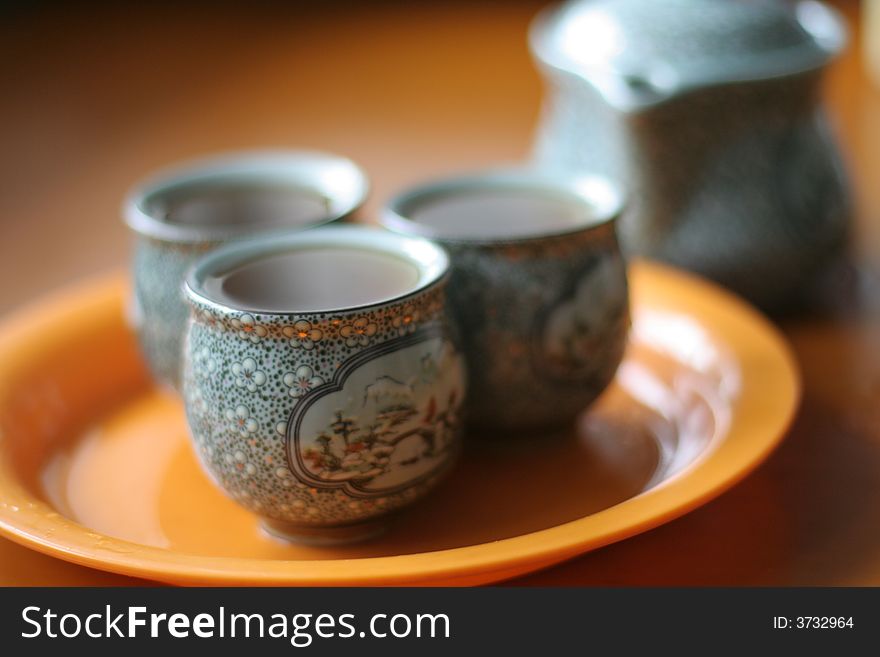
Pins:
x: 387, y: 425
x: 576, y: 329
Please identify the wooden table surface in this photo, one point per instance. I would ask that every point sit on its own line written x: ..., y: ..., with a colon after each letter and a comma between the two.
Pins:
x: 95, y: 96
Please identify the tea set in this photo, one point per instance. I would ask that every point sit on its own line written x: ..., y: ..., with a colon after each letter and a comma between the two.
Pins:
x: 331, y: 370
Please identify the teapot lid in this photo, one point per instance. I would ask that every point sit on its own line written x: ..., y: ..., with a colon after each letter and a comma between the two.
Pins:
x: 641, y: 51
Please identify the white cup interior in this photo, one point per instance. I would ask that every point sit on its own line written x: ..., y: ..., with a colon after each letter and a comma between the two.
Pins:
x: 259, y: 205
x: 314, y: 278
x: 493, y: 213
x: 318, y: 270
x: 504, y: 206
x: 246, y: 193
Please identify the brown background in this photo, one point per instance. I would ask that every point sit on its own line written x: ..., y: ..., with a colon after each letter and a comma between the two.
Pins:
x: 97, y: 95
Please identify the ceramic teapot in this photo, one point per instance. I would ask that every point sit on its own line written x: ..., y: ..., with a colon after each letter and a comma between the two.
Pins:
x: 709, y: 112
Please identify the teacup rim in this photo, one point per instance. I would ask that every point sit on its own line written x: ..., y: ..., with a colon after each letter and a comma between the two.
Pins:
x: 304, y: 167
x: 430, y: 258
x: 604, y: 197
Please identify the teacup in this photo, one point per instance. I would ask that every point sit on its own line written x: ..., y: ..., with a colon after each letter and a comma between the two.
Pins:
x: 322, y: 383
x: 538, y: 288
x: 182, y: 213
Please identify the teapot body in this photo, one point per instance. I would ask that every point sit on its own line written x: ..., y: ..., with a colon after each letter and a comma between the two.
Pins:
x: 737, y: 179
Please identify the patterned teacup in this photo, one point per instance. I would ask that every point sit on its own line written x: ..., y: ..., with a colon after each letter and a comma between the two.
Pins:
x: 182, y: 213
x: 321, y: 381
x: 538, y: 288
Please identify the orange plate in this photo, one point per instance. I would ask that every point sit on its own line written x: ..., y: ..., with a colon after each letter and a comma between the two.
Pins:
x: 95, y: 467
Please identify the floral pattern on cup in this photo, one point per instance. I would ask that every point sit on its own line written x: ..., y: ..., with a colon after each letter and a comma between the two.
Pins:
x: 303, y: 335
x: 355, y: 330
x: 358, y: 332
x: 247, y: 375
x: 301, y: 381
x: 241, y: 420
x: 407, y: 320
x: 207, y: 363
x: 248, y: 328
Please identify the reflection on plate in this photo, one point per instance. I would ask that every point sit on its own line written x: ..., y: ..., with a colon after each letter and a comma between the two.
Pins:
x: 95, y: 466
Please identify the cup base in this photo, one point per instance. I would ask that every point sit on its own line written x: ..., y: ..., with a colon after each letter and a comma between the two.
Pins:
x: 325, y: 536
